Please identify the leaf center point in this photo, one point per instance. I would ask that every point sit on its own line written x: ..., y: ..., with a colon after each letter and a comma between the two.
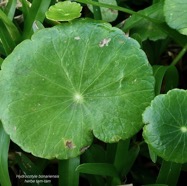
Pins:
x: 184, y: 129
x: 78, y: 98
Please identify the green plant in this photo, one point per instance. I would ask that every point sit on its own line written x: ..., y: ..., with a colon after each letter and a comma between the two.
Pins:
x: 73, y: 94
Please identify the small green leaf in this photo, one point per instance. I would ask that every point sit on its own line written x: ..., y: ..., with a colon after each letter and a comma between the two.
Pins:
x: 166, y: 129
x: 64, y: 11
x: 175, y: 12
x: 107, y: 14
x: 57, y: 87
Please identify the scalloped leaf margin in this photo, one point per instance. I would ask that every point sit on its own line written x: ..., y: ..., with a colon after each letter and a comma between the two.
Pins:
x: 70, y: 83
x: 166, y: 125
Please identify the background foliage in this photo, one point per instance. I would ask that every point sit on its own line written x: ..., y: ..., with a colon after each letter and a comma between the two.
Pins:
x: 160, y: 29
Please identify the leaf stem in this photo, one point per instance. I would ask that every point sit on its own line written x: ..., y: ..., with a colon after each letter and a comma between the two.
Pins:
x: 121, y: 154
x: 120, y: 157
x: 179, y: 56
x: 4, y: 146
x: 97, y: 12
x: 114, y: 7
x: 67, y: 174
x: 169, y: 173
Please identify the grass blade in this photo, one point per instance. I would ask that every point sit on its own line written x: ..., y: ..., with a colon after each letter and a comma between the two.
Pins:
x: 171, y: 78
x: 132, y: 155
x: 180, y: 55
x: 159, y: 72
x: 12, y: 29
x: 155, y: 185
x: 121, y: 154
x: 170, y: 74
x: 9, y: 34
x: 10, y: 9
x: 102, y: 169
x: 169, y: 173
x: 36, y: 12
x: 6, y: 40
x: 95, y: 154
x: 25, y: 8
x: 4, y: 146
x: 2, y: 50
x: 176, y: 36
x: 1, y: 61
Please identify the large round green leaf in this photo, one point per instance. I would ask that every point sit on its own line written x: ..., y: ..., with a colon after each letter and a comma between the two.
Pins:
x: 176, y: 14
x: 166, y: 129
x: 72, y: 82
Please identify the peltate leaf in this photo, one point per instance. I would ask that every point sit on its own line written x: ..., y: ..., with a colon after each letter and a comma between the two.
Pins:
x: 70, y: 83
x: 64, y: 11
x: 166, y: 129
x: 175, y: 12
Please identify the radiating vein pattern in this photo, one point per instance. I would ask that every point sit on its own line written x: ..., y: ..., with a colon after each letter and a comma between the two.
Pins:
x: 166, y: 129
x: 72, y: 82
